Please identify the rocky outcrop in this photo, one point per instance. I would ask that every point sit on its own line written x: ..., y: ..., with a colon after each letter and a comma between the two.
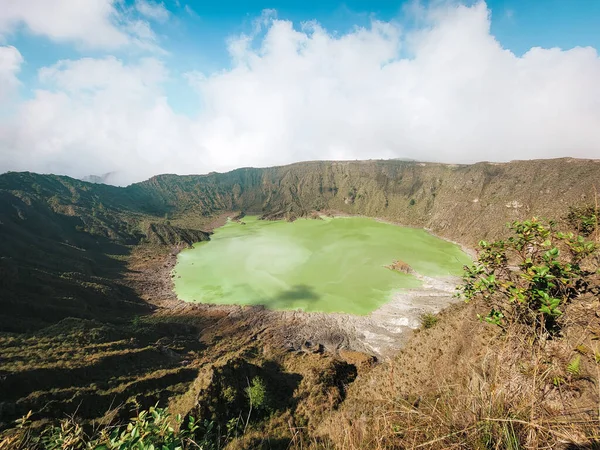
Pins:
x: 166, y: 234
x: 401, y: 266
x: 464, y: 203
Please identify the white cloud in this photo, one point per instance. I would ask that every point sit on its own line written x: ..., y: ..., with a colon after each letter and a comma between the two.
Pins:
x: 306, y: 94
x: 104, y: 76
x: 96, y: 115
x: 152, y: 10
x: 10, y: 64
x: 90, y: 23
x: 461, y: 98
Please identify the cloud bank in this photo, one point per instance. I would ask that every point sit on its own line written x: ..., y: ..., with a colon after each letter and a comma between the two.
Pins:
x: 10, y: 63
x: 446, y: 91
x: 90, y: 24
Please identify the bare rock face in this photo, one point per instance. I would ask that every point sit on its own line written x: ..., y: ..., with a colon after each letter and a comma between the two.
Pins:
x: 166, y: 234
x: 464, y: 203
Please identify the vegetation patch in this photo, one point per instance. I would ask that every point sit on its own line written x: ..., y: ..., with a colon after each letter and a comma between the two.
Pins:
x: 103, y: 363
x: 533, y: 275
x: 428, y: 320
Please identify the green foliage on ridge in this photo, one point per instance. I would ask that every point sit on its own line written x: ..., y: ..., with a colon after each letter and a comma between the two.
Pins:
x: 257, y: 394
x: 530, y: 277
x: 152, y: 429
x: 64, y: 247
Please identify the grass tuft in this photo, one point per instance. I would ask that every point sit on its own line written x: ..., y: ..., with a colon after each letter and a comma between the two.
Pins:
x: 429, y: 320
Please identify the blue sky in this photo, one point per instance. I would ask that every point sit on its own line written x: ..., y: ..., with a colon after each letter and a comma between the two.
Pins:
x: 196, y: 34
x: 170, y: 62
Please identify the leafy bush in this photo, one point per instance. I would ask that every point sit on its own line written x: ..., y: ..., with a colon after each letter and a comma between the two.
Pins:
x: 153, y: 429
x: 530, y: 277
x: 257, y: 394
x: 584, y: 219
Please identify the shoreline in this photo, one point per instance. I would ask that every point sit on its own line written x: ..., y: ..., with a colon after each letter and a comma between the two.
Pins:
x: 382, y: 333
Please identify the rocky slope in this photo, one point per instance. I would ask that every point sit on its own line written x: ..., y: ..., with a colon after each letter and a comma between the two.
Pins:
x: 462, y: 202
x: 62, y: 239
x: 77, y: 334
x: 64, y: 245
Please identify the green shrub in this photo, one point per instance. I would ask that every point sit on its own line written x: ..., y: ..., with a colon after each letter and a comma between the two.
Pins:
x: 529, y: 277
x: 229, y: 394
x: 584, y: 219
x: 412, y: 202
x: 428, y: 320
x: 136, y: 321
x: 152, y: 429
x: 257, y: 394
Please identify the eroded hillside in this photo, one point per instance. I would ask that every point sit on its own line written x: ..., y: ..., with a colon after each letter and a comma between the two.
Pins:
x: 90, y: 325
x: 61, y: 239
x: 462, y: 202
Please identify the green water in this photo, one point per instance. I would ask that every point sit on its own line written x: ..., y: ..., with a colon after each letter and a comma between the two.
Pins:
x: 330, y: 265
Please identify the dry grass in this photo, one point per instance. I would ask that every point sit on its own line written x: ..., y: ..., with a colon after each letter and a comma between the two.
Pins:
x: 465, y: 385
x: 461, y: 384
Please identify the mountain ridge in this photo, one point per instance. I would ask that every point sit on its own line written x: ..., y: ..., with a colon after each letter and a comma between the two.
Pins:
x: 412, y: 193
x: 88, y: 318
x: 54, y: 225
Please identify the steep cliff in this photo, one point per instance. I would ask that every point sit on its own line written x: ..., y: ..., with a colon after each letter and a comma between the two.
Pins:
x: 461, y: 202
x: 75, y: 337
x: 63, y: 241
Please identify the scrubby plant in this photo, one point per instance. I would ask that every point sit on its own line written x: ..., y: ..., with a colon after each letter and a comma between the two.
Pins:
x: 229, y: 394
x: 257, y: 397
x: 155, y: 429
x: 574, y: 366
x: 69, y: 435
x: 136, y: 321
x: 428, y: 320
x: 584, y: 219
x: 152, y: 429
x: 257, y: 394
x: 531, y: 276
